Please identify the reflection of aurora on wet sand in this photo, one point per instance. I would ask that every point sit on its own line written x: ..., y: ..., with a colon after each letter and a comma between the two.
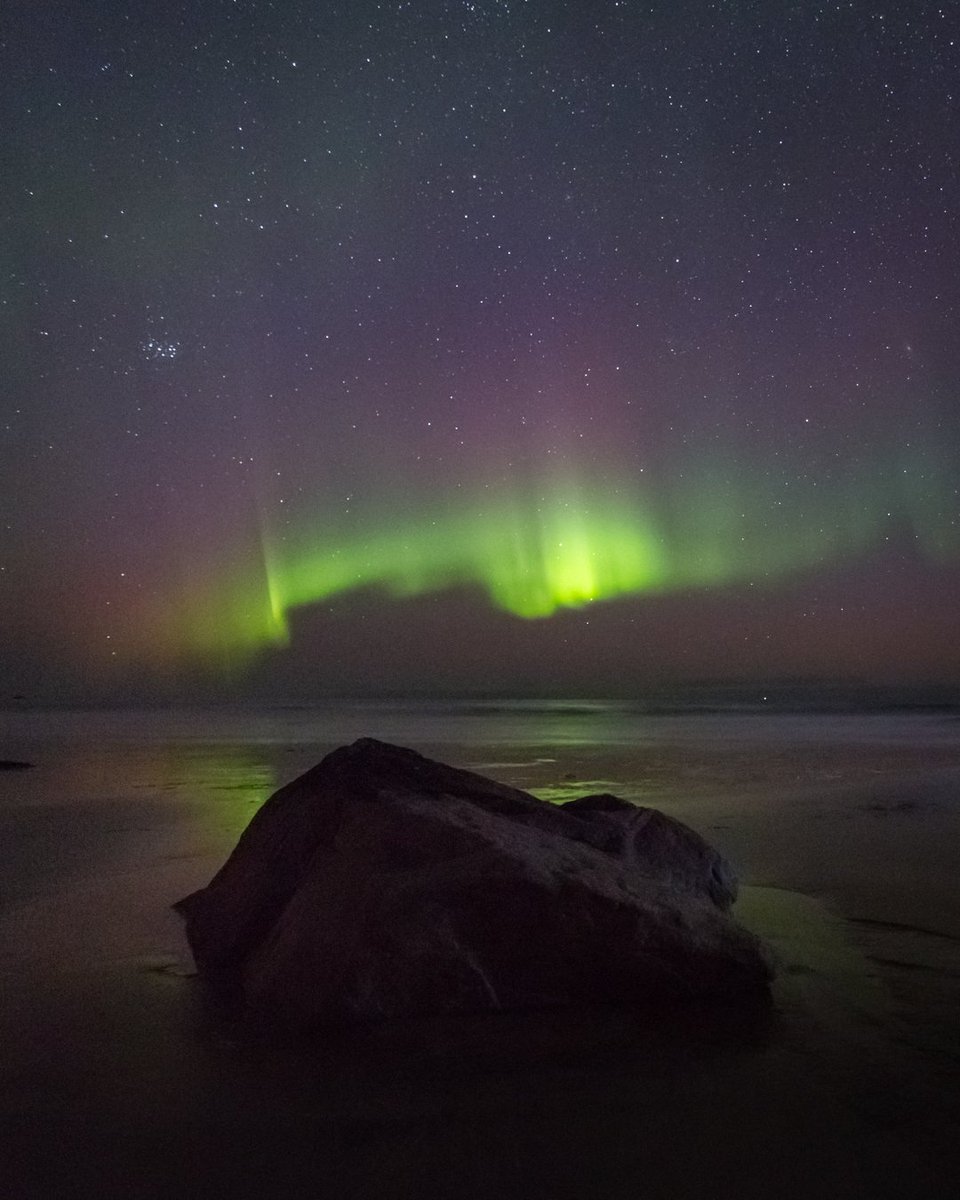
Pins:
x: 566, y: 546
x: 230, y: 781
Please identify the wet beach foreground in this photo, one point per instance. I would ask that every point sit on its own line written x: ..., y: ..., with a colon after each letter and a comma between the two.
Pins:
x: 118, y: 1079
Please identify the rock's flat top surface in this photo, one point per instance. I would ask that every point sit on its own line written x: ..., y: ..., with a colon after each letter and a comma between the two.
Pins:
x: 381, y: 883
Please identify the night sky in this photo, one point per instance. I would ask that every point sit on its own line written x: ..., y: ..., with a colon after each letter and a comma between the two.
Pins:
x: 487, y: 346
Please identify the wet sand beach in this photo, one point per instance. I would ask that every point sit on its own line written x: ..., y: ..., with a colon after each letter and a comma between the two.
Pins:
x: 117, y: 1080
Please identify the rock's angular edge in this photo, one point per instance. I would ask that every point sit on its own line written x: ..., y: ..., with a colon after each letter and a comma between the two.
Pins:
x: 381, y: 883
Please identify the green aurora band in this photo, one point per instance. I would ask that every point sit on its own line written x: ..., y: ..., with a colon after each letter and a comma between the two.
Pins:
x: 568, y: 546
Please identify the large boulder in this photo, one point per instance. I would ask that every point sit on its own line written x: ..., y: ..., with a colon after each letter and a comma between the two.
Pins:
x: 383, y: 884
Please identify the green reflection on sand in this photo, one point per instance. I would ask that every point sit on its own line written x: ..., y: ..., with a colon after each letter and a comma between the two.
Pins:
x: 819, y: 968
x: 560, y: 793
x: 229, y: 782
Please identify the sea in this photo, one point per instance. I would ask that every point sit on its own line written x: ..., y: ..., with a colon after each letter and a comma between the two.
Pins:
x: 840, y: 813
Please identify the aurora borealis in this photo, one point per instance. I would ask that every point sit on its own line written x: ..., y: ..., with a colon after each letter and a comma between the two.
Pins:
x: 569, y: 548
x: 340, y: 339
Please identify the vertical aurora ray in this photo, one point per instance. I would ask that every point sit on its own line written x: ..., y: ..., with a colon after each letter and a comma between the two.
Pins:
x: 280, y: 630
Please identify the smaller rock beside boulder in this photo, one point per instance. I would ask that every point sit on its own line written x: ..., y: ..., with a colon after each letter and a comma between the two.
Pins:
x: 382, y: 884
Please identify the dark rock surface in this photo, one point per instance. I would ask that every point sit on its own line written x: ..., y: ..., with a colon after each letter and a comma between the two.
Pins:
x: 383, y: 884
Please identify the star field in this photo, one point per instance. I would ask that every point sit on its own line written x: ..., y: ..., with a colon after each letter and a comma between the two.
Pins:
x: 398, y: 345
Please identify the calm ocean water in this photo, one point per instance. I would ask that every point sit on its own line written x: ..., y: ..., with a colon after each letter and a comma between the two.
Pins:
x: 483, y: 723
